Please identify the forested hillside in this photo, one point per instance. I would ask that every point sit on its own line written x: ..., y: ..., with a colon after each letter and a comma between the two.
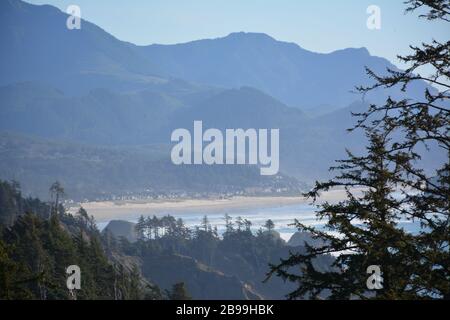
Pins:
x: 232, y: 265
x: 38, y: 243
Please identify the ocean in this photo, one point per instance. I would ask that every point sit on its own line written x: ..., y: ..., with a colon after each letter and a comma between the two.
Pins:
x: 283, y: 216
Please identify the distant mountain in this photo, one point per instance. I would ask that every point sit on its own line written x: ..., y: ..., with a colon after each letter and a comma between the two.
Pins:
x: 89, y: 172
x: 295, y: 76
x: 126, y: 121
x: 41, y: 48
x: 87, y: 87
x: 101, y: 116
x: 239, y: 108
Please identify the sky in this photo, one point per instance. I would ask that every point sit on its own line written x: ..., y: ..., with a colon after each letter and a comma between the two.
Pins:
x: 319, y: 25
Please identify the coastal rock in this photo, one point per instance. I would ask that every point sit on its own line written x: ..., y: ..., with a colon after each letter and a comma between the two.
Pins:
x: 121, y: 228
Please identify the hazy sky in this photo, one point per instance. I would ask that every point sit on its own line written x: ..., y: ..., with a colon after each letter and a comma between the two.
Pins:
x: 321, y: 26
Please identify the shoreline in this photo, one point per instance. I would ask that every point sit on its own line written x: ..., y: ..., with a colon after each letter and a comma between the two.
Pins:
x: 131, y: 209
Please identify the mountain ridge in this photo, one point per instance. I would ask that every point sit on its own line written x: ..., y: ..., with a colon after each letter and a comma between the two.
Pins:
x: 41, y: 48
x: 86, y: 86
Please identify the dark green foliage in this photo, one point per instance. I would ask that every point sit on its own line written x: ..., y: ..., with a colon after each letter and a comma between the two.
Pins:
x: 414, y: 265
x: 179, y: 292
x: 269, y: 225
x: 35, y: 252
x: 36, y: 249
x: 205, y: 261
x: 12, y: 204
x: 13, y: 275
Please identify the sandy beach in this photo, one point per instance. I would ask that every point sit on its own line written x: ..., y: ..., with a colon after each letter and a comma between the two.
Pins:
x: 132, y: 209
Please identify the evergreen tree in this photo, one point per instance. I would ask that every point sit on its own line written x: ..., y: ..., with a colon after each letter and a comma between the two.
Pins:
x: 248, y: 225
x: 228, y: 224
x: 239, y: 223
x: 13, y: 276
x: 56, y: 193
x: 140, y: 228
x: 154, y: 224
x: 10, y: 204
x: 205, y: 223
x: 269, y: 225
x: 413, y: 264
x: 179, y: 292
